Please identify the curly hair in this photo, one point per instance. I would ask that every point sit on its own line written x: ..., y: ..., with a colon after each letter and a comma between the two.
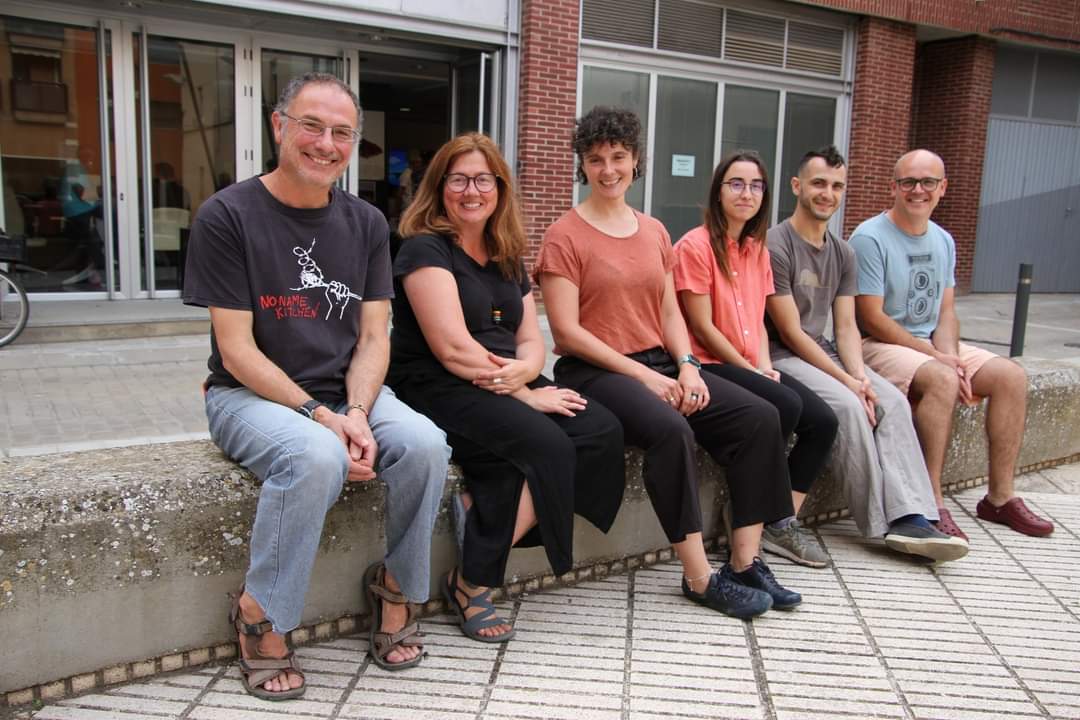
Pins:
x: 298, y: 83
x: 716, y: 221
x: 504, y: 234
x: 605, y: 125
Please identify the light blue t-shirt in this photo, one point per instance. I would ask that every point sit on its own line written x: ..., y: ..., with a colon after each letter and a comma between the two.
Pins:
x: 909, y: 271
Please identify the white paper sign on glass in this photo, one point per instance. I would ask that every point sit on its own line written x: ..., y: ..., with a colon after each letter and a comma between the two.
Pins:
x: 682, y: 166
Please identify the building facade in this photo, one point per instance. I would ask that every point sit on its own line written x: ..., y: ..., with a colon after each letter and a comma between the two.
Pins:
x: 119, y: 118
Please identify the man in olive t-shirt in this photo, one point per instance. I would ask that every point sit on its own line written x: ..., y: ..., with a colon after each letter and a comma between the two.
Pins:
x: 876, y: 455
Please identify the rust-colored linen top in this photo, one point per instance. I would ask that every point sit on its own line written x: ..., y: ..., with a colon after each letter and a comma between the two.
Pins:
x: 620, y: 281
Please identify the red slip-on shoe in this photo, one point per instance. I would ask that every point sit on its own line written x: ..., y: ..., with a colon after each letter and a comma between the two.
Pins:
x: 947, y: 525
x: 1016, y: 515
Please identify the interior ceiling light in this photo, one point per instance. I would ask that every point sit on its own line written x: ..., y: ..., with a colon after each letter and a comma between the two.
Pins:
x: 405, y: 109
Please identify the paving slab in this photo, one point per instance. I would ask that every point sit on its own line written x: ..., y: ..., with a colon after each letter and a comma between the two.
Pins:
x: 895, y: 640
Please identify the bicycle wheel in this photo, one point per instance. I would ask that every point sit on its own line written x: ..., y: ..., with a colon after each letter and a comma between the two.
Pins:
x: 14, y: 308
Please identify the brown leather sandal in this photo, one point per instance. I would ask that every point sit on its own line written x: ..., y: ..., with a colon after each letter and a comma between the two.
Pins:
x: 383, y: 643
x: 256, y: 668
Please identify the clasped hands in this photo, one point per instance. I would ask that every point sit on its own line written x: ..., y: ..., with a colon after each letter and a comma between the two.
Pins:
x: 510, y: 378
x: 687, y: 394
x: 355, y: 433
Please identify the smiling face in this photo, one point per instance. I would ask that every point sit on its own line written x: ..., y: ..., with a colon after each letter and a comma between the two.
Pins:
x: 742, y: 206
x: 819, y: 188
x: 315, y: 160
x: 916, y: 205
x: 469, y: 208
x: 609, y: 169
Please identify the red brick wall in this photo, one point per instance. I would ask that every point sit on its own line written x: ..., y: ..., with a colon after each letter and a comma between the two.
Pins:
x: 953, y: 80
x: 1022, y: 20
x: 548, y: 96
x: 880, y: 114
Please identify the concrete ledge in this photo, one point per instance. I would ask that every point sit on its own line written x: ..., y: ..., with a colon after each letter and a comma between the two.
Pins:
x: 117, y: 563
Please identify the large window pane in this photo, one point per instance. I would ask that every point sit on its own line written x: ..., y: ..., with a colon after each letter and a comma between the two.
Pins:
x: 1013, y: 69
x: 616, y: 88
x: 1057, y: 87
x: 50, y: 152
x: 682, y: 166
x: 809, y: 121
x: 192, y: 142
x: 750, y: 122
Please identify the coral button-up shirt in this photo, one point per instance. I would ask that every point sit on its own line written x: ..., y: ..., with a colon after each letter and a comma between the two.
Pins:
x: 738, y: 304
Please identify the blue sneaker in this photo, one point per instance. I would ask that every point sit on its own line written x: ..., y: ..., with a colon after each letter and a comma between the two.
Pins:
x: 760, y: 577
x: 730, y: 598
x: 929, y: 542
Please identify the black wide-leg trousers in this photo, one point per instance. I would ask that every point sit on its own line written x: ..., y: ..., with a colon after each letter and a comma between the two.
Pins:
x: 738, y: 429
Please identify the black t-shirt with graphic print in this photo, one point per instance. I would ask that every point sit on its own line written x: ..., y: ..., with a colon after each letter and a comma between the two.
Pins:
x: 491, y: 304
x: 302, y: 272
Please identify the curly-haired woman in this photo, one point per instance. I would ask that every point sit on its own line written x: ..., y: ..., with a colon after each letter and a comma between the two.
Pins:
x: 606, y: 274
x: 466, y: 351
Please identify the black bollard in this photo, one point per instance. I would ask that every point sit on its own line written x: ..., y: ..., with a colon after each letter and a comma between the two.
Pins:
x: 1020, y: 312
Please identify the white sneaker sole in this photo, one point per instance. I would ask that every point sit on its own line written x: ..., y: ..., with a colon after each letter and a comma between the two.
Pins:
x: 771, y: 547
x: 940, y: 550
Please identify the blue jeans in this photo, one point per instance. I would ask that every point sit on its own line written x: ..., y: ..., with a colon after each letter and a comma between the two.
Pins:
x: 303, y: 467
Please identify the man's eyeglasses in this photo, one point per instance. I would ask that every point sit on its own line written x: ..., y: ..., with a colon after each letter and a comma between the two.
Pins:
x: 737, y: 186
x: 459, y: 182
x: 340, y: 133
x: 929, y: 184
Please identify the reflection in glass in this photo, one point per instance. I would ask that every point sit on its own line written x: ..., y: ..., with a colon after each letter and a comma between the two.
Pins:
x: 278, y: 68
x: 809, y: 121
x: 192, y: 142
x: 750, y: 123
x: 617, y: 88
x: 682, y: 165
x: 50, y: 152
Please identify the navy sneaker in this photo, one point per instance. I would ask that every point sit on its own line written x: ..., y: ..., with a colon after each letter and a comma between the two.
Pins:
x: 907, y: 537
x: 760, y: 577
x: 730, y: 598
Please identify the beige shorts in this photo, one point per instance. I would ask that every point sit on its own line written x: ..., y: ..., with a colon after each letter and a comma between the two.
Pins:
x: 898, y: 364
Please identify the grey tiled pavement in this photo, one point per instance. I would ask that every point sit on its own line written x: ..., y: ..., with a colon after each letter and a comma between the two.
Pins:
x: 71, y: 396
x: 995, y: 636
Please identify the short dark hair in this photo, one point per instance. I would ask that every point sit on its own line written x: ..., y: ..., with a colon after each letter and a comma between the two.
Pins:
x: 298, y: 83
x: 606, y: 125
x: 829, y: 154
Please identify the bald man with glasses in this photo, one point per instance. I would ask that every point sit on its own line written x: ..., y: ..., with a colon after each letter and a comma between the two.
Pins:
x: 911, y: 336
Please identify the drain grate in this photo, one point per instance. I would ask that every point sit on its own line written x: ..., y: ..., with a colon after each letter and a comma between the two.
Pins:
x: 1075, y: 345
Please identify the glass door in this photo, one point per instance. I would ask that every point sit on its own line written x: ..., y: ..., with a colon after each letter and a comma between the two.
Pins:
x: 54, y: 163
x: 276, y: 68
x: 186, y: 144
x: 472, y: 96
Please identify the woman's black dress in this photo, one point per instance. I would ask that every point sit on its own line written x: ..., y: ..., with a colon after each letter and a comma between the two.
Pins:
x: 572, y: 464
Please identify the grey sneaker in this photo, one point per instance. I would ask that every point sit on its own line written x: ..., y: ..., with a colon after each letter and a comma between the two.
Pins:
x: 795, y: 544
x: 929, y: 542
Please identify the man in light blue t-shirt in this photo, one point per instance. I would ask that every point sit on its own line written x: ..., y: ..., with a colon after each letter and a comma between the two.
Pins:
x: 907, y: 314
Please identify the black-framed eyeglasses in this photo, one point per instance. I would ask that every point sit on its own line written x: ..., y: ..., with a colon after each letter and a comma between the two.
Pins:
x: 340, y: 133
x: 737, y: 186
x: 929, y: 184
x: 459, y: 182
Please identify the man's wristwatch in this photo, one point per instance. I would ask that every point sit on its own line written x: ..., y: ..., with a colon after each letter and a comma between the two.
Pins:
x: 308, y: 409
x: 690, y: 359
